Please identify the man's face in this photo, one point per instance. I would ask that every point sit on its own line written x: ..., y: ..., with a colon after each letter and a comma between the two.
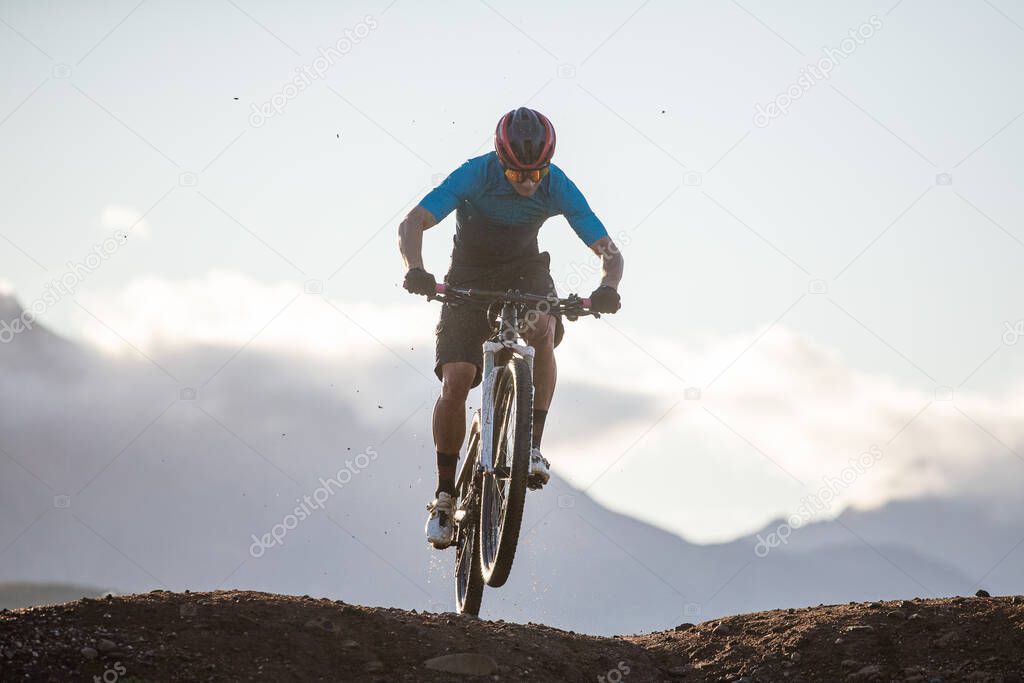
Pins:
x: 526, y: 188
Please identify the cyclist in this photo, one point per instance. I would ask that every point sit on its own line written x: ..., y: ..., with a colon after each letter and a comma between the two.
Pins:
x: 501, y: 199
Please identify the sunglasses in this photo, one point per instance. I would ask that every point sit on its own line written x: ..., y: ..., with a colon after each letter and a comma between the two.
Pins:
x: 516, y: 176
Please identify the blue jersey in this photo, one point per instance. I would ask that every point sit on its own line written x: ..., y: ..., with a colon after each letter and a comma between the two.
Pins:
x: 495, y: 224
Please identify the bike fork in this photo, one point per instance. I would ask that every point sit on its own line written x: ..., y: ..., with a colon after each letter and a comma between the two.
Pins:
x: 490, y: 375
x: 487, y: 409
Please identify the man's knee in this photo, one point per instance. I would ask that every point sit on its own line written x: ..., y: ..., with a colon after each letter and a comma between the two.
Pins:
x: 539, y: 330
x: 456, y: 381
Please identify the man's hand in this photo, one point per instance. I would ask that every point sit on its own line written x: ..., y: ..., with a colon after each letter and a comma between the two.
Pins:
x: 419, y: 281
x: 605, y: 300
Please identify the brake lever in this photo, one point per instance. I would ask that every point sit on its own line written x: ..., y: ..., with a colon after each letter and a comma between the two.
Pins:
x: 574, y: 314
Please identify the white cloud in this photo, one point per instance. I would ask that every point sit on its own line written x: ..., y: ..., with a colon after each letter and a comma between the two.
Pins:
x: 123, y: 218
x: 794, y: 402
x: 788, y: 409
x: 229, y: 309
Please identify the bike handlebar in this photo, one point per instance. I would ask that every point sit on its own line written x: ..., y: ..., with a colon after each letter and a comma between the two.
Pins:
x: 572, y: 305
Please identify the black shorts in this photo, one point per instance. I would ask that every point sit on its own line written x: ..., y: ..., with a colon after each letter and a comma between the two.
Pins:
x: 462, y: 330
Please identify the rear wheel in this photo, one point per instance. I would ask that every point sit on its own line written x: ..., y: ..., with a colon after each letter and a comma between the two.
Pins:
x: 469, y: 583
x: 503, y: 493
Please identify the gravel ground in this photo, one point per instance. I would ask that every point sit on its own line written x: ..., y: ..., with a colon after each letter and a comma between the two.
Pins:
x: 242, y: 636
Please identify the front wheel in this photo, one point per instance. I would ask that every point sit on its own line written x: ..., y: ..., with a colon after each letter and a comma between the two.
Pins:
x: 503, y: 492
x: 469, y: 583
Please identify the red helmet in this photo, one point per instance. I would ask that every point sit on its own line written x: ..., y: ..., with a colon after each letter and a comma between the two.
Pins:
x: 524, y: 140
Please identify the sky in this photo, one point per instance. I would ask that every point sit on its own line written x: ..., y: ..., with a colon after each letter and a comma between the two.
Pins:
x: 800, y: 286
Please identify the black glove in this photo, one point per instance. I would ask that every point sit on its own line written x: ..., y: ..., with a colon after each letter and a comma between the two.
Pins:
x: 605, y: 300
x: 419, y: 281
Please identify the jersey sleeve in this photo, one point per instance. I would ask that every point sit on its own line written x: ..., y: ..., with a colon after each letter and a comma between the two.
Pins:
x: 463, y: 183
x: 570, y: 202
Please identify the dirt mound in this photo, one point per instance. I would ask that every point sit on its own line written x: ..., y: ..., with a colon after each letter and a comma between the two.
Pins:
x: 955, y: 639
x: 233, y: 635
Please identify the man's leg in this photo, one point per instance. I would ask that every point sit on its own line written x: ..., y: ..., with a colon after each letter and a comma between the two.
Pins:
x: 449, y: 424
x: 540, y: 334
x: 449, y: 421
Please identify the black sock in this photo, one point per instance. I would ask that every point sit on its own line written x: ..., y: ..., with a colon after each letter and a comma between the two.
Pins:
x: 446, y: 464
x: 538, y: 425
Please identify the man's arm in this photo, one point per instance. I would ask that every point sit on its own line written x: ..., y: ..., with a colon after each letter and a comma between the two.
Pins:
x: 612, y: 262
x: 439, y: 202
x: 410, y: 236
x: 571, y: 203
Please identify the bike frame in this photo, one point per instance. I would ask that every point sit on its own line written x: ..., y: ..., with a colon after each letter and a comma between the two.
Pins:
x: 508, y: 338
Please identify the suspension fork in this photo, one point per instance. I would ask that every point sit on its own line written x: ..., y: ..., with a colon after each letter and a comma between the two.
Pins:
x: 508, y: 334
x: 490, y: 373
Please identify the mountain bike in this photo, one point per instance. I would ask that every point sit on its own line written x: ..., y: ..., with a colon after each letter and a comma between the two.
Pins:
x: 491, y: 485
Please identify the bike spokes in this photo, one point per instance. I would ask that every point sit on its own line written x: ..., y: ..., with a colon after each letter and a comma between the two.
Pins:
x: 504, y: 488
x: 469, y: 582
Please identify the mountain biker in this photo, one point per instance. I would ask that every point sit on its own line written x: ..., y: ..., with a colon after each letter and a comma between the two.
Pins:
x: 501, y: 199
